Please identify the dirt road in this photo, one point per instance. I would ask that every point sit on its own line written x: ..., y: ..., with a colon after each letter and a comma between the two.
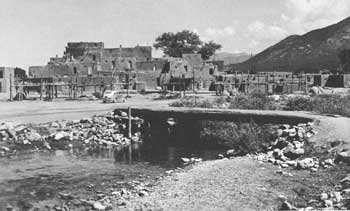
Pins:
x: 43, y: 111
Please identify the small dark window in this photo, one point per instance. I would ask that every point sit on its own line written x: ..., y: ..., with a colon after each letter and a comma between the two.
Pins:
x: 186, y: 68
x: 75, y: 71
x: 1, y: 74
x: 113, y: 64
x: 93, y: 57
x: 130, y: 63
x: 211, y: 71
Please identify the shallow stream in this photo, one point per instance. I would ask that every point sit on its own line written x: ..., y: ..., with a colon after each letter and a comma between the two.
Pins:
x: 34, y: 178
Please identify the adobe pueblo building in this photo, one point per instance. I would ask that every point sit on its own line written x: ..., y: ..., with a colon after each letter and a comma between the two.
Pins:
x: 89, y: 67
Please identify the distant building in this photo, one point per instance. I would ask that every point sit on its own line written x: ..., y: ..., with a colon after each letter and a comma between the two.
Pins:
x: 186, y: 72
x: 8, y: 76
x: 92, y: 59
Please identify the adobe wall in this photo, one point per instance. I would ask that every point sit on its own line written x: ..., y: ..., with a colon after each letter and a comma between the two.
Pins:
x: 154, y: 65
x: 141, y: 53
x: 7, y: 73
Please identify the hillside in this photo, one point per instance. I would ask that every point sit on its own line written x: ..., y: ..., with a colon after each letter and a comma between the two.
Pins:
x: 315, y: 50
x: 231, y: 58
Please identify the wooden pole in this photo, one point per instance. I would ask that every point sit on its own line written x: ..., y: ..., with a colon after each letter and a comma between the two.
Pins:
x: 11, y: 87
x: 129, y: 122
x: 41, y: 89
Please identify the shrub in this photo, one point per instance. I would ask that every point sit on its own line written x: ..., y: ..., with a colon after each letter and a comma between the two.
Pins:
x: 257, y: 101
x: 243, y: 137
x: 324, y: 104
x: 299, y: 104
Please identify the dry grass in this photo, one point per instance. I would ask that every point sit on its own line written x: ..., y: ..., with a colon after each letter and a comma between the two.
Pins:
x: 323, y: 104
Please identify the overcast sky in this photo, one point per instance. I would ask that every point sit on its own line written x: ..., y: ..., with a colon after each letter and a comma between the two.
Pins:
x: 34, y: 30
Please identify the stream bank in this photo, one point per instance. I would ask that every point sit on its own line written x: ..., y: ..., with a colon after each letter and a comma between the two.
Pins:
x: 107, y: 178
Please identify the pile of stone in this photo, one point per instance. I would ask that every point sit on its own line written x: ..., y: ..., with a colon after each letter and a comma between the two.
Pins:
x: 289, y: 148
x: 332, y: 200
x: 107, y: 130
x: 114, y: 198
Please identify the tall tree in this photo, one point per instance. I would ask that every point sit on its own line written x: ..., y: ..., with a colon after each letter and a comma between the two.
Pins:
x: 176, y: 44
x: 184, y: 42
x: 209, y: 49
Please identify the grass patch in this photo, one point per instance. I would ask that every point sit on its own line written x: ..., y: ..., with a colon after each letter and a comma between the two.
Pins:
x: 243, y: 137
x: 323, y: 104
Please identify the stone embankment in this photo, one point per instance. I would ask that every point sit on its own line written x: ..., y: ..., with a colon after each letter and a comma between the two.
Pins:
x: 106, y: 130
x: 290, y: 151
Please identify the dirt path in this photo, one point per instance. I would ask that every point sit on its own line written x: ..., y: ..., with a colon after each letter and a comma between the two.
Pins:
x: 236, y: 184
x: 42, y: 111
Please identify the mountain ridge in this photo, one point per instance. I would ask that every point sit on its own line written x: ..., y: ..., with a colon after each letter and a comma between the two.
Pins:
x: 310, y: 52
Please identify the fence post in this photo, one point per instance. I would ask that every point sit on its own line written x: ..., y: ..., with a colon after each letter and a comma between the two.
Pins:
x: 129, y: 122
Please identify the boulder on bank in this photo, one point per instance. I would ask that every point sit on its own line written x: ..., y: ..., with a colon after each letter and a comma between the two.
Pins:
x: 305, y: 163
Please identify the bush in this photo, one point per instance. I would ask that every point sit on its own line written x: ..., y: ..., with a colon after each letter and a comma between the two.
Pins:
x: 324, y: 104
x: 256, y: 101
x: 299, y: 104
x: 332, y: 104
x: 243, y: 137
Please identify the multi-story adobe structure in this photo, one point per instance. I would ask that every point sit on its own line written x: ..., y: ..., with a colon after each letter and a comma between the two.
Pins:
x: 8, y: 78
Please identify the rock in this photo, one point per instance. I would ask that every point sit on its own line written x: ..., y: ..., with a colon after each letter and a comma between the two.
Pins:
x: 76, y: 202
x: 337, y: 197
x: 25, y: 142
x: 66, y: 196
x: 230, y: 153
x: 61, y: 135
x: 34, y: 136
x: 185, y: 160
x: 271, y: 160
x: 287, y: 206
x: 55, y: 125
x: 291, y: 163
x: 346, y: 191
x: 281, y: 143
x: 343, y: 156
x: 313, y: 169
x: 284, y: 165
x: 328, y: 203
x: 345, y: 182
x: 98, y: 206
x: 6, y: 149
x: 220, y: 156
x: 293, y: 153
x: 305, y: 163
x: 277, y: 153
x: 143, y: 193
x: 329, y: 162
x: 323, y: 196
x: 292, y: 132
x: 279, y: 132
x: 47, y: 145
x: 298, y: 144
x: 116, y: 193
x: 9, y: 207
x: 169, y: 171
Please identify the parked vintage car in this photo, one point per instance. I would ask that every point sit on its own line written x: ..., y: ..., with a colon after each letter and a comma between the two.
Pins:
x: 112, y: 96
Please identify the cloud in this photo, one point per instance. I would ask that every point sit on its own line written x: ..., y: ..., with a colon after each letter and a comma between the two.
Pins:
x: 220, y: 32
x: 253, y: 44
x: 306, y: 15
x: 260, y: 31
